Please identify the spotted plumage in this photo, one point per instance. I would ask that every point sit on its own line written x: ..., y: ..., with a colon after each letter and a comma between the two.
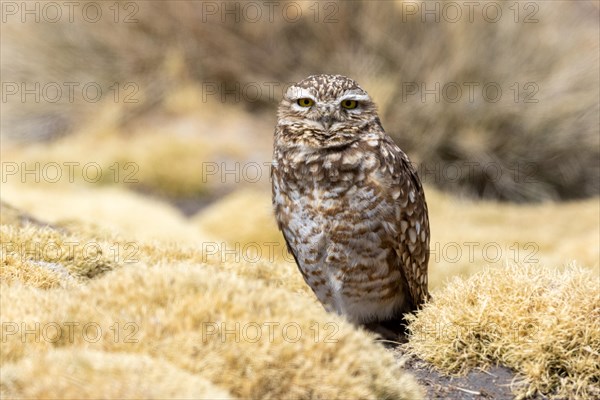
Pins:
x: 349, y: 204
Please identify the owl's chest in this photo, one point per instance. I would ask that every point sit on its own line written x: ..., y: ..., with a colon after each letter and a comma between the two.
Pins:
x: 317, y: 177
x: 319, y: 189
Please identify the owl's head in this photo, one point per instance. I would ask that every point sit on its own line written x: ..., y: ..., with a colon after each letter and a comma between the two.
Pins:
x: 324, y: 111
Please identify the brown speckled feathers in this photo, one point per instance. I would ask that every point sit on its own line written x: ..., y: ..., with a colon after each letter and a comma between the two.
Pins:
x: 349, y: 203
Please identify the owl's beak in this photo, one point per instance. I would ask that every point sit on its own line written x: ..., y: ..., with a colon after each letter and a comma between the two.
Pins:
x: 326, y: 121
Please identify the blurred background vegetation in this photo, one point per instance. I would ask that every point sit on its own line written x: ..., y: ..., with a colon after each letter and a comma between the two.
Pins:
x: 499, y: 101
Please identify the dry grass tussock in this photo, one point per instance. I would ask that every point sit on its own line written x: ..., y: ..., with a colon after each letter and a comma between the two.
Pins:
x: 545, y: 122
x: 124, y: 213
x: 467, y: 236
x: 172, y: 312
x: 75, y: 373
x: 541, y: 322
x: 46, y: 258
x: 118, y: 222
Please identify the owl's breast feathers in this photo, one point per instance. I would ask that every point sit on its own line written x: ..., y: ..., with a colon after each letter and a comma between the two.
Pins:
x: 358, y: 208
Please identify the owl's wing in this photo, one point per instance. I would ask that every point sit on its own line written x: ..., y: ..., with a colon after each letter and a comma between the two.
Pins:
x: 275, y: 185
x: 412, y: 223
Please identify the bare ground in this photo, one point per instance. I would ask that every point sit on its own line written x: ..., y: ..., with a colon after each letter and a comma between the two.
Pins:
x: 493, y: 383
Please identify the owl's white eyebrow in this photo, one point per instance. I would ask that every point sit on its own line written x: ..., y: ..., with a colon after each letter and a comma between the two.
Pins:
x: 354, y: 96
x: 299, y: 93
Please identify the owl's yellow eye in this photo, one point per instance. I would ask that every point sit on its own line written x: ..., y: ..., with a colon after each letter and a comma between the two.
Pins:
x: 305, y: 102
x: 349, y: 104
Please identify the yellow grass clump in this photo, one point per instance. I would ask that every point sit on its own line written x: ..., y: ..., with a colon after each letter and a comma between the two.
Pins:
x: 251, y: 206
x: 45, y: 257
x: 183, y: 319
x: 245, y: 224
x: 121, y: 212
x: 89, y: 374
x: 467, y: 235
x: 544, y: 323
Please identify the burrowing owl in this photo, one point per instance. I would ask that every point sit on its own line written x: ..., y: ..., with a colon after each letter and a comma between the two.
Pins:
x: 349, y: 203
